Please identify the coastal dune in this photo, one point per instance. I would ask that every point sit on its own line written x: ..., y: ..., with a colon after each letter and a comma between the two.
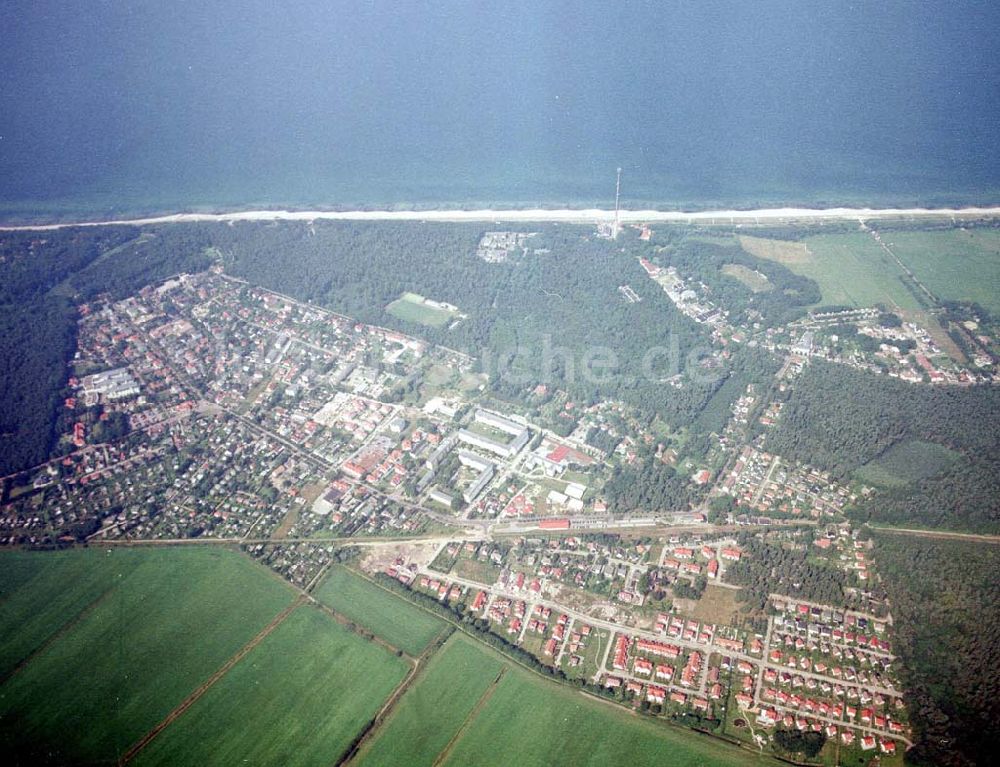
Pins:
x: 542, y: 215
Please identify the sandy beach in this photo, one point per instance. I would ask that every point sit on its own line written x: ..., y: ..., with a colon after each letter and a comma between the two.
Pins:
x: 542, y: 215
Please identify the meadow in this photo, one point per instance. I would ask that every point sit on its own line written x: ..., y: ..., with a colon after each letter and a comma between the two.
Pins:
x: 411, y: 307
x: 957, y: 264
x: 395, y: 620
x: 164, y: 628
x: 431, y: 712
x: 300, y: 697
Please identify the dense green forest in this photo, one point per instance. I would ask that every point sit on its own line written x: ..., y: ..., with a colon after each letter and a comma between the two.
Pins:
x: 37, y: 340
x: 784, y: 569
x: 650, y: 486
x: 153, y: 256
x: 42, y: 276
x: 945, y: 598
x: 839, y: 419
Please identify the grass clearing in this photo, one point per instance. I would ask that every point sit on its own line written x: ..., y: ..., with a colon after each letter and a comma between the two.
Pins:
x: 412, y: 307
x: 907, y: 462
x: 432, y: 711
x: 397, y: 621
x: 162, y: 631
x: 300, y: 697
x: 956, y: 264
x: 717, y: 605
x: 757, y: 282
x: 785, y: 252
x: 475, y: 570
x: 530, y: 721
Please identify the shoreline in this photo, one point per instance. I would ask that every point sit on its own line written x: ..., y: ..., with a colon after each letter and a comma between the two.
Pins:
x: 531, y: 215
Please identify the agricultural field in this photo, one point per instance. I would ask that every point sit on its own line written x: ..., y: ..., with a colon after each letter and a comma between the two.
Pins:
x: 412, y: 307
x: 753, y: 279
x: 530, y: 721
x: 432, y: 712
x: 164, y: 628
x: 850, y: 269
x: 907, y: 462
x: 395, y: 620
x: 44, y: 592
x: 299, y: 698
x: 957, y: 264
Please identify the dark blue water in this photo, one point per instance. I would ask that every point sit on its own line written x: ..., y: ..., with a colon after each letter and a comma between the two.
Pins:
x: 116, y: 107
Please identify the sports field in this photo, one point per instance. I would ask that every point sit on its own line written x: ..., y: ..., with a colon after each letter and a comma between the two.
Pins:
x: 165, y: 627
x: 298, y: 698
x: 432, y: 711
x: 957, y: 264
x: 411, y: 307
x: 850, y: 269
x: 400, y: 623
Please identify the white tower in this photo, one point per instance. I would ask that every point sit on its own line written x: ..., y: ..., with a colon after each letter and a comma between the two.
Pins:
x: 618, y: 190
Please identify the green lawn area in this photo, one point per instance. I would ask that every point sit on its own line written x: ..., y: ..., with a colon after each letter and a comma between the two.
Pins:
x: 166, y: 626
x: 42, y: 592
x: 907, y: 462
x: 850, y: 269
x: 531, y: 721
x: 299, y: 698
x: 397, y: 621
x: 957, y: 264
x: 410, y: 307
x: 433, y: 710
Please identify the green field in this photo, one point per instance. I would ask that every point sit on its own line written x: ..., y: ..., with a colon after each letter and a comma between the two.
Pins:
x: 411, y: 307
x: 530, y: 721
x: 163, y: 629
x: 299, y: 698
x: 957, y: 264
x: 433, y: 710
x: 850, y: 269
x: 907, y: 462
x: 397, y: 621
x: 456, y: 715
x: 43, y: 592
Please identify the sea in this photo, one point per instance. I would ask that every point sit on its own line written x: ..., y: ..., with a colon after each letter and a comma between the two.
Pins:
x: 112, y: 107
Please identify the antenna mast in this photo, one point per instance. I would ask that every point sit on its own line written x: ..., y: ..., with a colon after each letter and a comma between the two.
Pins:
x: 618, y: 190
